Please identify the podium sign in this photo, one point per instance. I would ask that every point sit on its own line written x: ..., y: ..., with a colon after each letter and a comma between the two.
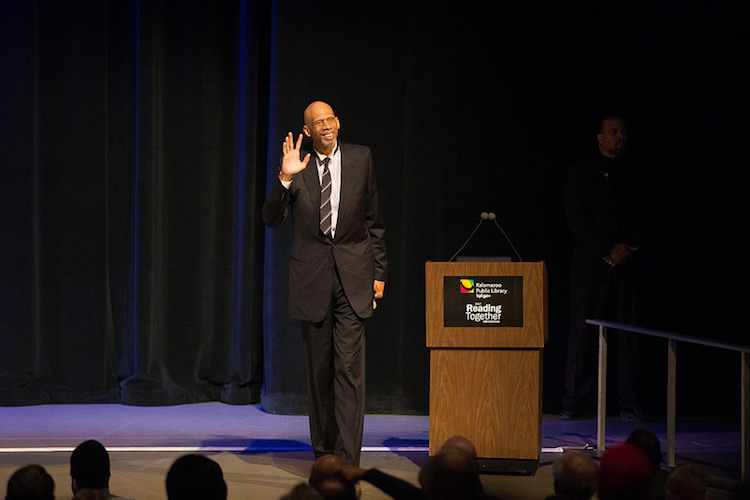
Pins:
x: 527, y: 295
x: 483, y: 301
x: 486, y: 325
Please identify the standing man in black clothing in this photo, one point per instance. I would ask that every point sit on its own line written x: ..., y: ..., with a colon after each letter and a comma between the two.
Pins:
x: 609, y: 212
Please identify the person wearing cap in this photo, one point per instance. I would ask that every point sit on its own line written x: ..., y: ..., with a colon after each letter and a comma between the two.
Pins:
x: 625, y: 473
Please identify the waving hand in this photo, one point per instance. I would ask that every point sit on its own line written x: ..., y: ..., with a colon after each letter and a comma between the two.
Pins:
x: 290, y: 162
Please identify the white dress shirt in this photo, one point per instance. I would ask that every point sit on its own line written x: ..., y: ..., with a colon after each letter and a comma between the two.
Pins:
x: 334, y: 166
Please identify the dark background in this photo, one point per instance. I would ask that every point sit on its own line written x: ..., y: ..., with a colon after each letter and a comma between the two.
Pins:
x: 137, y: 141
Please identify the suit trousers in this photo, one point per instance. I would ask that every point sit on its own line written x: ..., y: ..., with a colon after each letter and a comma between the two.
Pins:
x: 614, y: 300
x: 335, y: 364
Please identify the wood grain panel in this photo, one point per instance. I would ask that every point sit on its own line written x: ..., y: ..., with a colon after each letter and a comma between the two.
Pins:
x: 491, y: 396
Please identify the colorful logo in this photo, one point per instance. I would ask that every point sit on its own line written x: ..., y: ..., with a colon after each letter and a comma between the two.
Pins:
x: 466, y: 285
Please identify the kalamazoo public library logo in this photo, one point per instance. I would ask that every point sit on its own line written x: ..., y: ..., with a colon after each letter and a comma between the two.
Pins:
x: 483, y: 301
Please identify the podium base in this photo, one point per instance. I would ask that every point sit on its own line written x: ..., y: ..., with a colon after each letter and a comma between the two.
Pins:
x: 508, y: 466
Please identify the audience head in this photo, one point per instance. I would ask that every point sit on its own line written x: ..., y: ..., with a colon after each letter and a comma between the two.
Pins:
x: 686, y: 482
x: 462, y: 443
x: 194, y: 477
x: 328, y: 479
x: 648, y: 443
x: 303, y: 491
x: 31, y: 482
x: 451, y: 473
x: 576, y: 476
x: 625, y: 473
x: 89, y: 494
x: 89, y: 466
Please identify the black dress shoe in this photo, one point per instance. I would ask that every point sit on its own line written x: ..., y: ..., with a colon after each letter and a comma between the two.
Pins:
x: 568, y: 415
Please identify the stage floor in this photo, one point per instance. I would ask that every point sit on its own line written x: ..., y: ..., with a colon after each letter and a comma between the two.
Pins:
x: 264, y: 455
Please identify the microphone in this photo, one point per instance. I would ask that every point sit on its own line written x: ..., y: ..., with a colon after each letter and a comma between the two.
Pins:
x: 493, y: 218
x: 482, y: 217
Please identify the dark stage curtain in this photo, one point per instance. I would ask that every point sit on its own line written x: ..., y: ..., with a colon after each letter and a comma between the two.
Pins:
x: 131, y: 248
x: 138, y: 139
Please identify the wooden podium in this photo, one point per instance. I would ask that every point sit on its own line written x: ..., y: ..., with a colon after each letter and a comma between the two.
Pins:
x: 486, y: 326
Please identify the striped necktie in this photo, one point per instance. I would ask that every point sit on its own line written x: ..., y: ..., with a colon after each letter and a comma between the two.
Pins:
x: 325, y: 199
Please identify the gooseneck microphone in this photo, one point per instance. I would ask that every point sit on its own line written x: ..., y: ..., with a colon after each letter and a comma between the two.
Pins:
x: 492, y: 217
x: 483, y: 217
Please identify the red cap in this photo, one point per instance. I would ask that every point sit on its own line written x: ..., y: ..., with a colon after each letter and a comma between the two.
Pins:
x: 624, y: 473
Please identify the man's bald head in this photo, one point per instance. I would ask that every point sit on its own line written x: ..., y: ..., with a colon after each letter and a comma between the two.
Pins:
x: 322, y: 126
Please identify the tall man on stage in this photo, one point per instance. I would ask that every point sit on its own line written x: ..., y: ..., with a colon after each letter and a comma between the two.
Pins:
x: 610, y: 213
x: 337, y: 268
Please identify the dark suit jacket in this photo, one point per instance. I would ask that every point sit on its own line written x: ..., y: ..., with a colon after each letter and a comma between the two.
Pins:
x: 358, y: 250
x: 607, y: 202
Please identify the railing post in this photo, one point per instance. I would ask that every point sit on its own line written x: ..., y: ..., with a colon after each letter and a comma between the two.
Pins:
x: 671, y: 400
x: 672, y: 340
x: 601, y: 412
x: 745, y: 415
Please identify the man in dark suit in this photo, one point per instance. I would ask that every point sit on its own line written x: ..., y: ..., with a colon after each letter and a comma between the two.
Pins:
x: 337, y: 268
x: 610, y: 213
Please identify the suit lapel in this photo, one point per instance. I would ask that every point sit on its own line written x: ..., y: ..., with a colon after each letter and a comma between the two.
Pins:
x: 312, y: 182
x: 345, y: 179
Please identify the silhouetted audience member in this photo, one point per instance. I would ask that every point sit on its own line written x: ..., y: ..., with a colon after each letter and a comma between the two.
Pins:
x: 88, y: 494
x: 31, y: 482
x: 327, y: 477
x: 576, y: 477
x: 302, y: 491
x: 451, y: 473
x: 392, y: 486
x: 686, y: 482
x: 624, y: 474
x: 195, y: 477
x: 90, y: 468
x: 463, y: 443
x: 650, y: 445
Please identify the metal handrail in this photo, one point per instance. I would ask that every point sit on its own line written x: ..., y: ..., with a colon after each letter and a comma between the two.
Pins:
x: 672, y: 340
